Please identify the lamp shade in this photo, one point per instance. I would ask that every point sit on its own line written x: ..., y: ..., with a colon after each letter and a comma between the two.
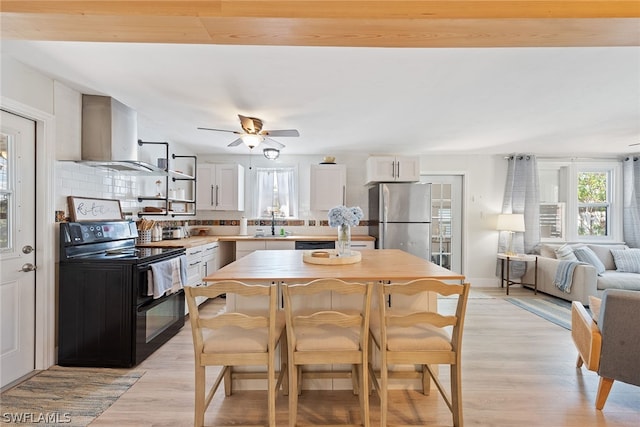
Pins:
x: 510, y: 222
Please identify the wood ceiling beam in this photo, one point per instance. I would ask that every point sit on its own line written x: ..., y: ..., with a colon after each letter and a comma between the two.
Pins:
x: 390, y: 23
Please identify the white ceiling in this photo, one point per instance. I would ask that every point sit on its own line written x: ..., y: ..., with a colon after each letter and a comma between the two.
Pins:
x: 549, y: 101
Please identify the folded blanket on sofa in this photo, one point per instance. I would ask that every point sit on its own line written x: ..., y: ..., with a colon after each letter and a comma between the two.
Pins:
x: 564, y: 275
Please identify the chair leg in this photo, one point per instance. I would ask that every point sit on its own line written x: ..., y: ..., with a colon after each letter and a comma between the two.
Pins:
x: 579, y: 362
x: 363, y: 395
x: 284, y: 363
x: 456, y: 395
x: 384, y: 394
x: 228, y: 385
x: 604, y: 387
x: 200, y: 396
x: 426, y: 381
x: 354, y: 379
x: 293, y: 394
x: 271, y: 392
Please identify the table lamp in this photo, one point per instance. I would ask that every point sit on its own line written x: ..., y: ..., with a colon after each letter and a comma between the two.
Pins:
x: 510, y: 223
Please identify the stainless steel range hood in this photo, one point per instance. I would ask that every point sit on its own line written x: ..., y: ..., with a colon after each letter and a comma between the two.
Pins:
x: 110, y: 136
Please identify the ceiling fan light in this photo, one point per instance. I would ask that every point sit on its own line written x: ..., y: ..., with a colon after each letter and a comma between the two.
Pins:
x: 271, y: 153
x: 251, y: 140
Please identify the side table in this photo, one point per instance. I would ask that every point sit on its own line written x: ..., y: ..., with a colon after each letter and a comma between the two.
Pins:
x: 505, y: 260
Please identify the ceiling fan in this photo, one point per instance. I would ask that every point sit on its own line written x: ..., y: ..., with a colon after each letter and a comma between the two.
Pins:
x: 253, y: 134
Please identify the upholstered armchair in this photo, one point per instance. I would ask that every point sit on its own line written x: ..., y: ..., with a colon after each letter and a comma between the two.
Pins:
x: 609, y: 343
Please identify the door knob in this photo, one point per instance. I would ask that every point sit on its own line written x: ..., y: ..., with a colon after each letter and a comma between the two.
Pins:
x: 27, y: 268
x: 27, y: 249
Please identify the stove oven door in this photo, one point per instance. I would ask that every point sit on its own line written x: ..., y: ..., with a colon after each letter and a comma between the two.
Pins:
x: 157, y: 320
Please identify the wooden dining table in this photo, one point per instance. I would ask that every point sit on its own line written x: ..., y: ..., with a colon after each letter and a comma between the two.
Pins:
x: 272, y: 266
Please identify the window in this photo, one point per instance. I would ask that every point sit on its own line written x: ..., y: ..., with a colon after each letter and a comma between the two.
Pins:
x: 593, y: 203
x: 579, y: 201
x: 276, y: 192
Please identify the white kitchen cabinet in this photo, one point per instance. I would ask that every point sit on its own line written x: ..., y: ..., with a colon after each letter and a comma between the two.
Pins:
x: 328, y: 186
x: 245, y: 247
x: 393, y: 169
x: 220, y: 187
x: 210, y: 258
x: 201, y: 261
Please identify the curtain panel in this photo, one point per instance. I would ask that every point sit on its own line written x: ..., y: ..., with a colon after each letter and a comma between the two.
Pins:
x: 522, y: 196
x: 631, y: 200
x: 276, y: 191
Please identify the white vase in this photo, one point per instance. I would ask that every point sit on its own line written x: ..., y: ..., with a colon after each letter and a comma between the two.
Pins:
x: 343, y: 245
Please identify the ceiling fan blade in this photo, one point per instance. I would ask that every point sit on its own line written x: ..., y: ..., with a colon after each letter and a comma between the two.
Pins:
x: 280, y: 132
x: 637, y: 143
x: 236, y: 142
x: 221, y: 130
x: 273, y: 143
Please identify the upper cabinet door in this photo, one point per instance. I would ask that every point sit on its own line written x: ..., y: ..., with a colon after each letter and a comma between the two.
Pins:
x: 392, y: 169
x: 205, y: 188
x: 220, y: 187
x: 230, y: 187
x: 328, y: 186
x: 407, y: 169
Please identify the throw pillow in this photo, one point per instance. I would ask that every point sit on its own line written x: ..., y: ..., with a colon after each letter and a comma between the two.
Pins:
x: 594, y: 307
x: 627, y: 260
x: 585, y: 254
x: 565, y: 253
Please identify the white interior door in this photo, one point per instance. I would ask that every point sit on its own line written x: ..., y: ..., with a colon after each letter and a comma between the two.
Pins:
x: 446, y: 220
x: 17, y: 247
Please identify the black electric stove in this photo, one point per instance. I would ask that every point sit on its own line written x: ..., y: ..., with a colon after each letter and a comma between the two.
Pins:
x: 105, y: 316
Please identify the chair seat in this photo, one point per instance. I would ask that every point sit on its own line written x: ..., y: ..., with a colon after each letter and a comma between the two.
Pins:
x: 421, y: 337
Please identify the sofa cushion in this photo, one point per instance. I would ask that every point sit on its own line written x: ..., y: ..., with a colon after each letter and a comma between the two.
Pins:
x: 548, y: 251
x: 616, y: 280
x: 627, y: 260
x: 585, y: 254
x: 565, y: 253
x: 604, y: 253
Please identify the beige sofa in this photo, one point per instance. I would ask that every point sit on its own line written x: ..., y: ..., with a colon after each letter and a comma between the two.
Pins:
x: 585, y: 279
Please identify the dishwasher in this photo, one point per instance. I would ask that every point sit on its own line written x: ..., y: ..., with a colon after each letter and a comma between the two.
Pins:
x: 309, y: 245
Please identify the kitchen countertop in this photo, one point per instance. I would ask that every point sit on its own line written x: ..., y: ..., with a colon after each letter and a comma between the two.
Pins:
x: 190, y: 242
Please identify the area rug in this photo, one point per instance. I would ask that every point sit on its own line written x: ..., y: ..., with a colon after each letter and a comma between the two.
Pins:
x: 65, y: 396
x: 554, y: 310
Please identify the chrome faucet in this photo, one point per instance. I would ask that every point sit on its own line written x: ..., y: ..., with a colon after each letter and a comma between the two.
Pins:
x: 273, y: 223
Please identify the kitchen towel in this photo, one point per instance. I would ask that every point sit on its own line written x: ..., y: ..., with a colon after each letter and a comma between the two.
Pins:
x: 167, y: 277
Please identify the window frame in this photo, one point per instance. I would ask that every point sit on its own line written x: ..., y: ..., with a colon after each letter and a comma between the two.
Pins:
x: 567, y: 192
x: 293, y: 200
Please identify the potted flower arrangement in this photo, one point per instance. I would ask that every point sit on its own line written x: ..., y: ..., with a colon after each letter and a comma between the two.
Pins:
x: 344, y: 218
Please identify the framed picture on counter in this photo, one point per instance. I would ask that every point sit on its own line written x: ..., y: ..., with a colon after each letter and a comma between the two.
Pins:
x: 89, y: 209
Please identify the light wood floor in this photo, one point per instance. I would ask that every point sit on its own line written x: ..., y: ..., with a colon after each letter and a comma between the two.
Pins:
x: 518, y: 370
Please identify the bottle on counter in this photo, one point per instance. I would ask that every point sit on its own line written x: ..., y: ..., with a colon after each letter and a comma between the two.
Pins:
x: 156, y: 233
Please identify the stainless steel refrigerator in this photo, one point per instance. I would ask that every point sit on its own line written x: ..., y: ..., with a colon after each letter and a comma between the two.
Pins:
x: 400, y: 217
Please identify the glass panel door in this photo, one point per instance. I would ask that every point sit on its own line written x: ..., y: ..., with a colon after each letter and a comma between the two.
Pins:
x: 446, y: 220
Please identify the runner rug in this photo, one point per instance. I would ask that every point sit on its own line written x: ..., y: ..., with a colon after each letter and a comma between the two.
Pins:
x: 554, y: 310
x: 65, y: 396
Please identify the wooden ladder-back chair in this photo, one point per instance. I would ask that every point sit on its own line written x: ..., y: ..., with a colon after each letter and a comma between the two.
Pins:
x: 230, y: 339
x: 409, y: 337
x: 326, y: 335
